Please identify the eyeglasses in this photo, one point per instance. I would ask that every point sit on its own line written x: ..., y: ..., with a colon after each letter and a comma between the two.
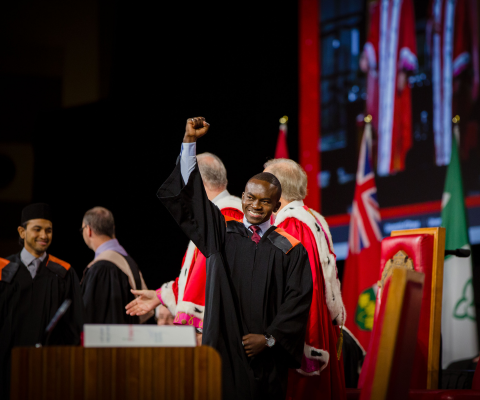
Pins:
x: 82, y: 228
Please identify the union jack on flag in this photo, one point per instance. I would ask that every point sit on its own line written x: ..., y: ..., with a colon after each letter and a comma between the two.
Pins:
x: 365, y: 216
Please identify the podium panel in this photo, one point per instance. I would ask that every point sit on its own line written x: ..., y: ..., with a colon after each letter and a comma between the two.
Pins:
x: 434, y: 278
x: 79, y: 373
x: 392, y: 349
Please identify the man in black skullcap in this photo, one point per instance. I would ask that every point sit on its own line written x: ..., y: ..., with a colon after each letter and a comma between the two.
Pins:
x: 33, y: 285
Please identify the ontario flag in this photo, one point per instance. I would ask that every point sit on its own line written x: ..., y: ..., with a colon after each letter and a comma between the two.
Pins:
x: 362, y: 265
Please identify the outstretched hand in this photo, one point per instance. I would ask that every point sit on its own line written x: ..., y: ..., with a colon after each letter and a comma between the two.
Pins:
x: 146, y: 301
x: 195, y: 129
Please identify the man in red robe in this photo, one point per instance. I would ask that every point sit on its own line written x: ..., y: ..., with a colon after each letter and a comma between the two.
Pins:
x: 388, y: 55
x: 185, y: 296
x: 321, y: 374
x: 453, y: 40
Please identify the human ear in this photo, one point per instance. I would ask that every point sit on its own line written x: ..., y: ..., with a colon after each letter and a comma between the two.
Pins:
x: 21, y: 232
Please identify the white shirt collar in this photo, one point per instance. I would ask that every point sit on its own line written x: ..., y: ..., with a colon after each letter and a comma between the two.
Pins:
x: 27, y: 257
x: 264, y: 226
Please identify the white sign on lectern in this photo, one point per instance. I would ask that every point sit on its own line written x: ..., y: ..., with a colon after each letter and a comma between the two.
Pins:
x: 100, y: 335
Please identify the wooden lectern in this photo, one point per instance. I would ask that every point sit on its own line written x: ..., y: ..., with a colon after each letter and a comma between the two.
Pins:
x: 116, y: 373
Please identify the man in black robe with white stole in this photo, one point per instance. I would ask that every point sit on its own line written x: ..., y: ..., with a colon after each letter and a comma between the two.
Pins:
x: 108, y: 280
x: 259, y: 283
x: 33, y: 285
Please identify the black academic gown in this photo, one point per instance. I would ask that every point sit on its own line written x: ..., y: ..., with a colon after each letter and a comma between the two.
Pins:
x: 250, y: 288
x: 27, y: 305
x: 106, y: 292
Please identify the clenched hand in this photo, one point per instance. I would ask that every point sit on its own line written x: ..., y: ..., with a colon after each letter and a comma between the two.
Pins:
x: 254, y: 344
x: 195, y: 129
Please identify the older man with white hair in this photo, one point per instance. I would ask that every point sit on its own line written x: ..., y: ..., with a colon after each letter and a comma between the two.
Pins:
x: 321, y: 374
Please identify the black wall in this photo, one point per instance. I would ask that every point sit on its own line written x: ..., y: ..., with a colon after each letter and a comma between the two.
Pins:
x: 236, y: 65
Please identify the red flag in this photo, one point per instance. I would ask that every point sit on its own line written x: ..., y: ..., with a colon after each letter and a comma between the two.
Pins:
x: 363, y: 262
x: 282, y: 149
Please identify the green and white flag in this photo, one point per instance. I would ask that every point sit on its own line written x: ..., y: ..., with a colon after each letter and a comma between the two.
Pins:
x: 459, y: 331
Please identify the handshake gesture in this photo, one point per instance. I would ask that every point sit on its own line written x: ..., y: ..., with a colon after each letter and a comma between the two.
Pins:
x: 195, y: 129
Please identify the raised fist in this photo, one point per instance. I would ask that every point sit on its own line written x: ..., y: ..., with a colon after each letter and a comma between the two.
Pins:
x: 195, y: 129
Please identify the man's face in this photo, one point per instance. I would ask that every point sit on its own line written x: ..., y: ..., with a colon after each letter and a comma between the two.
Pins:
x: 37, y: 236
x: 259, y: 201
x: 165, y: 317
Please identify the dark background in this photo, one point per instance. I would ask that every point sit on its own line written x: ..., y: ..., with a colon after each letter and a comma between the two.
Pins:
x: 235, y: 64
x: 156, y: 65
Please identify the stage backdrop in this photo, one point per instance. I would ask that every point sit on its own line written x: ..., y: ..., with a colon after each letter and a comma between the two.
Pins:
x: 411, y: 66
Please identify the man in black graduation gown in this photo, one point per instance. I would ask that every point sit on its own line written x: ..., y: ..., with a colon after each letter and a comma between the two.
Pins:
x: 33, y: 285
x: 259, y: 283
x: 108, y: 279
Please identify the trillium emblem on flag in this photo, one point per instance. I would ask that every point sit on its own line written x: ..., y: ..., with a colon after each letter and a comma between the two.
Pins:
x: 365, y: 312
x: 465, y: 307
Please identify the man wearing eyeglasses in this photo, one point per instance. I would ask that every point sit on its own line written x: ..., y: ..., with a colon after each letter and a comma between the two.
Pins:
x: 108, y: 279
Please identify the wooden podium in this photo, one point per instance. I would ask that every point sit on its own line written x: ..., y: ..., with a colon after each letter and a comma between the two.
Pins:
x: 116, y: 373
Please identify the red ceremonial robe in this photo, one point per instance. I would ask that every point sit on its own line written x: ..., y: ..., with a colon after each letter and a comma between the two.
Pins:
x: 321, y: 374
x: 390, y: 49
x: 185, y: 297
x: 453, y: 40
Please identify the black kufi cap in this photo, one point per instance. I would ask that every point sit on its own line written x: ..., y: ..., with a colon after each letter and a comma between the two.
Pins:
x: 36, y: 211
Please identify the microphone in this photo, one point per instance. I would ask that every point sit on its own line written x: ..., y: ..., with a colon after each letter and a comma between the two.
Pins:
x: 51, y: 326
x: 464, y: 253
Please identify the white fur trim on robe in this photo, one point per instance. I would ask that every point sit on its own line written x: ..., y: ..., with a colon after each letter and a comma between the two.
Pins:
x: 333, y: 296
x: 187, y: 264
x: 318, y: 355
x: 191, y: 309
x: 168, y: 297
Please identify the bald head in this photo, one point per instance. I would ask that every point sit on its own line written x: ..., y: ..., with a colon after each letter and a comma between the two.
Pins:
x: 101, y: 221
x: 213, y: 172
x: 291, y: 176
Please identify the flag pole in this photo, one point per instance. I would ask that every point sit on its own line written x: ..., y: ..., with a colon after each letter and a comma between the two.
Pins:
x: 281, y: 150
x: 456, y: 128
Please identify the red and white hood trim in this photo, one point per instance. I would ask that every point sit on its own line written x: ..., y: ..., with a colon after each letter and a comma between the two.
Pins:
x: 228, y: 201
x: 168, y: 296
x: 333, y: 295
x: 224, y: 202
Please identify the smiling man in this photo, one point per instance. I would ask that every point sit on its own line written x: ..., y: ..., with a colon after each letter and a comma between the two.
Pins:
x: 259, y: 283
x: 33, y: 285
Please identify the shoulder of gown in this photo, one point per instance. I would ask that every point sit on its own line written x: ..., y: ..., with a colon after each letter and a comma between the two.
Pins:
x: 8, y: 269
x: 57, y: 266
x: 235, y: 226
x: 282, y: 240
x: 103, y: 270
